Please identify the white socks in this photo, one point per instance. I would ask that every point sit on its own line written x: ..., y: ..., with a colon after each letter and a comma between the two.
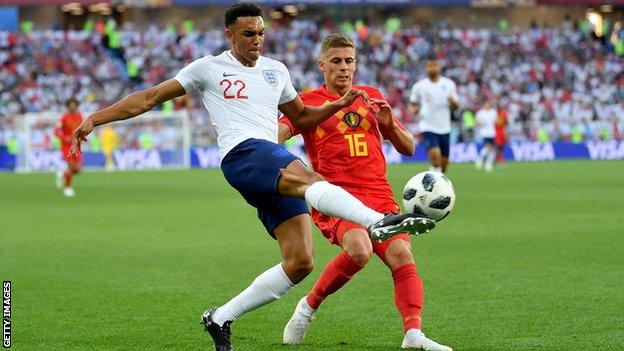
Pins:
x: 486, y: 157
x: 489, y: 159
x: 267, y: 287
x: 334, y: 201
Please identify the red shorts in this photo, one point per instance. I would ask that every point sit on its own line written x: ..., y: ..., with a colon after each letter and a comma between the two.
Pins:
x: 500, y: 141
x: 334, y: 229
x: 71, y: 159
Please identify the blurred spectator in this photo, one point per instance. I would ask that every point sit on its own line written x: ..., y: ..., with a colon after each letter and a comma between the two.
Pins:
x: 555, y: 84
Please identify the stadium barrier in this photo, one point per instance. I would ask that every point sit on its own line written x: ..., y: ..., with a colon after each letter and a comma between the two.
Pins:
x: 208, y: 157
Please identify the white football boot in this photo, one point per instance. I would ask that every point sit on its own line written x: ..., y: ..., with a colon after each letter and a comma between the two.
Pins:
x: 69, y: 192
x: 415, y: 339
x: 297, y: 326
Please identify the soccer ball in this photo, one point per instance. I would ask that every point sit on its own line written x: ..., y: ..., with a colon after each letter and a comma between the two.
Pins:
x: 431, y: 193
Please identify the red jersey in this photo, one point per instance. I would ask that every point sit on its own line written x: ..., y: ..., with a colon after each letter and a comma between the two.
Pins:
x: 501, y: 122
x: 346, y: 149
x: 69, y: 123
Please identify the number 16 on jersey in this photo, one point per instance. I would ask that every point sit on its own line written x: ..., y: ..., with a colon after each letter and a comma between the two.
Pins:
x: 357, y: 144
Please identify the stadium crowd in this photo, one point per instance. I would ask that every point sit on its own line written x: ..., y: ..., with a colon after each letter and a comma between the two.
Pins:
x: 554, y: 84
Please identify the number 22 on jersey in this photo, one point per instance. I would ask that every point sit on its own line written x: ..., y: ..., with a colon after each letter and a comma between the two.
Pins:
x: 233, y: 90
x: 357, y: 144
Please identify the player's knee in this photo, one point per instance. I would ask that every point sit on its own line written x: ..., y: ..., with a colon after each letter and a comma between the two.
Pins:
x: 295, y: 182
x: 299, y: 267
x: 360, y: 255
x: 399, y: 255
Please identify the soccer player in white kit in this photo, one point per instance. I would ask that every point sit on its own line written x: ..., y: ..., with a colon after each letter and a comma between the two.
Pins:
x: 243, y: 91
x: 485, y: 120
x: 432, y: 100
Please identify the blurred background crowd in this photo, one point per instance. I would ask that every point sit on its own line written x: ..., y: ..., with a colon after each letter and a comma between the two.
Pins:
x: 553, y: 84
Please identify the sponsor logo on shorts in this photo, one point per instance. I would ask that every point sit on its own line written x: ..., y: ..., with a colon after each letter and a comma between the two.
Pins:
x: 280, y: 152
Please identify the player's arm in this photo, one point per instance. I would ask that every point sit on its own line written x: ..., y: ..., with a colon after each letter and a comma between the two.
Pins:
x: 58, y: 131
x: 391, y: 129
x: 452, y: 99
x: 304, y: 117
x: 131, y: 106
x: 454, y: 104
x: 414, y: 108
x: 283, y: 132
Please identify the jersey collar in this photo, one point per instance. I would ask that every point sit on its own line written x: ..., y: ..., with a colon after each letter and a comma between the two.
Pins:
x: 324, y: 91
x: 228, y: 53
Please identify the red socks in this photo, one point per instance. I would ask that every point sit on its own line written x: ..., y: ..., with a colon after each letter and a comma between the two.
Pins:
x: 68, y: 175
x: 408, y: 295
x: 337, y: 273
x: 408, y: 288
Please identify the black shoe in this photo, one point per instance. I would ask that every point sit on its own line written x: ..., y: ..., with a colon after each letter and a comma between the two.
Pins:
x: 393, y: 224
x: 220, y: 334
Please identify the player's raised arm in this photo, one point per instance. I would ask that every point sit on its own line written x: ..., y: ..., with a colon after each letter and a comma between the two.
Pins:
x: 131, y: 106
x: 304, y: 117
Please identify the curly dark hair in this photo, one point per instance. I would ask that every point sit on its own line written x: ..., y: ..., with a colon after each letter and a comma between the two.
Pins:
x: 72, y: 100
x: 241, y: 9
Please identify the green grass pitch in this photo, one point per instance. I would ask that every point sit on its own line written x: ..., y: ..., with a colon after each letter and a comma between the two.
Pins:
x: 532, y: 258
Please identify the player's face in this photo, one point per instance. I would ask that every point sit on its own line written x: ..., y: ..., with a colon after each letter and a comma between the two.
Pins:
x: 72, y: 106
x: 247, y: 37
x: 433, y: 68
x: 338, y: 67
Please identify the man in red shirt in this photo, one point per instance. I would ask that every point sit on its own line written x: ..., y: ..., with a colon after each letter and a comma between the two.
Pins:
x: 346, y: 149
x: 68, y: 123
x: 500, y: 138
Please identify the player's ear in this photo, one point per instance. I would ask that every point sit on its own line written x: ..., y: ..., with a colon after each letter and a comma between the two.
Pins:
x: 321, y: 65
x: 229, y: 33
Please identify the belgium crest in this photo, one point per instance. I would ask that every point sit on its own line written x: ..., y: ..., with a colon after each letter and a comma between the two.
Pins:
x: 352, y: 119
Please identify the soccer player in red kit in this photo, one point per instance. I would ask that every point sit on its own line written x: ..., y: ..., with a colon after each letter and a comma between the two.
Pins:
x: 346, y: 149
x: 68, y: 123
x: 500, y: 138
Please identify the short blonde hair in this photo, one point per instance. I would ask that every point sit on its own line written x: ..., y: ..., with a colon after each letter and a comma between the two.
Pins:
x: 336, y: 40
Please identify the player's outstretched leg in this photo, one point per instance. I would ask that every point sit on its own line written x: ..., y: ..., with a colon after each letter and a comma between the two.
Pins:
x: 295, y: 239
x: 357, y: 250
x: 334, y: 201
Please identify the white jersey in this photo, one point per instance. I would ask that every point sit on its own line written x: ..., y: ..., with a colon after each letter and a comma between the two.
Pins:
x: 242, y: 101
x: 435, y: 109
x: 485, y: 120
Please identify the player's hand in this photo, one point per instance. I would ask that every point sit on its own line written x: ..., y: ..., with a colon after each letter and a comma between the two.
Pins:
x: 452, y: 101
x: 383, y: 112
x: 80, y: 135
x: 348, y: 98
